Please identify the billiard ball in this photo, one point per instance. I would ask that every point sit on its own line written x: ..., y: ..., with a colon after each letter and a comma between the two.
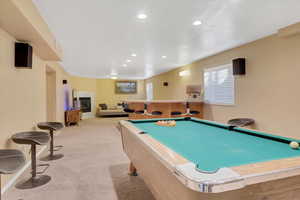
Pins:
x: 294, y: 145
x: 173, y: 123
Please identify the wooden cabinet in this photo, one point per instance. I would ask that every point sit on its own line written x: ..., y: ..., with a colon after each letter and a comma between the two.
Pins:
x: 198, y: 108
x: 72, y: 116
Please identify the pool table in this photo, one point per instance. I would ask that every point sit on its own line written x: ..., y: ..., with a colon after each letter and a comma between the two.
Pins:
x: 201, y: 159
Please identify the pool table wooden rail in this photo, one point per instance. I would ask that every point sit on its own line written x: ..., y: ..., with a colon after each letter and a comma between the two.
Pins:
x: 251, y: 174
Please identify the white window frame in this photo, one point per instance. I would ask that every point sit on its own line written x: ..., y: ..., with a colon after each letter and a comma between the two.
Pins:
x: 149, y: 91
x: 216, y: 102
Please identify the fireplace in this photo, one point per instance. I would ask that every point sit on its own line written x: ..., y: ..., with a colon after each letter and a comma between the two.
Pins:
x: 85, y: 104
x: 85, y: 101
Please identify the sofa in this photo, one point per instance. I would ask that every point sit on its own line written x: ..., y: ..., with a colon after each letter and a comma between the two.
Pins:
x: 104, y: 110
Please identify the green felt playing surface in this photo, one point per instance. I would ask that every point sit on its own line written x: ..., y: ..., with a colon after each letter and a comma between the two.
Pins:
x: 214, y: 147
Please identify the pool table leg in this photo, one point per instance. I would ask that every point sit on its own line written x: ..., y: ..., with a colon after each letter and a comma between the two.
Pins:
x: 132, y: 170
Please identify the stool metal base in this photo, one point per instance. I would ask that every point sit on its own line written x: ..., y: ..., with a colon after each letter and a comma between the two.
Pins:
x: 53, y: 157
x: 57, y: 148
x: 133, y: 174
x: 53, y: 148
x: 33, y: 182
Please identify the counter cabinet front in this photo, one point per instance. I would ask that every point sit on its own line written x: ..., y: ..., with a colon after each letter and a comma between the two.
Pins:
x: 165, y: 108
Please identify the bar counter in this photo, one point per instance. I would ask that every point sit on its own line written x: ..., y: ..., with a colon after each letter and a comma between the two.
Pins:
x: 144, y: 109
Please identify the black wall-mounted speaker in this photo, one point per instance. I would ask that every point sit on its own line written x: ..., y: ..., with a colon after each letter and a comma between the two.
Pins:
x: 23, y: 55
x: 239, y: 66
x: 166, y: 83
x: 65, y: 82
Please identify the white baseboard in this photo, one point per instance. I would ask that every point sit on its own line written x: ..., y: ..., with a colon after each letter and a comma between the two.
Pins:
x: 12, y: 181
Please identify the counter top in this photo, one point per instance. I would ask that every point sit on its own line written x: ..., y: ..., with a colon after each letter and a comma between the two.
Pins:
x: 161, y: 101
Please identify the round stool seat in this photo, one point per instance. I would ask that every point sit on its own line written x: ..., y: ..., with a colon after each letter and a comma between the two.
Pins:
x: 194, y: 112
x: 176, y: 113
x: 156, y: 113
x: 11, y: 160
x: 139, y: 112
x: 127, y: 110
x: 241, y: 122
x: 31, y: 137
x: 55, y: 126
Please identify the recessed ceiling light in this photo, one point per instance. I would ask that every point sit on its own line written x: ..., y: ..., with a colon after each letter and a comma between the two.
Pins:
x: 164, y: 56
x: 128, y: 61
x: 197, y: 23
x: 141, y: 16
x: 114, y: 77
x: 124, y: 65
x: 133, y: 55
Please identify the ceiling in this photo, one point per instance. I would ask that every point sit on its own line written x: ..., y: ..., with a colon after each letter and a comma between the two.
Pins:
x: 99, y: 36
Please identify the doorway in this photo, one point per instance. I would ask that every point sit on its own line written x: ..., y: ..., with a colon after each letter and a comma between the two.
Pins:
x: 50, y: 94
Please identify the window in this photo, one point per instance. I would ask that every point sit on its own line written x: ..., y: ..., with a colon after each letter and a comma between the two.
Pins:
x: 219, y: 85
x: 149, y: 91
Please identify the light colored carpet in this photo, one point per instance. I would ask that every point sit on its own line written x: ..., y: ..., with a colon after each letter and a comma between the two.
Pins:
x: 94, y: 167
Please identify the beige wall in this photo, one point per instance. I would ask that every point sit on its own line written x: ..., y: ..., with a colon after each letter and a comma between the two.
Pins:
x: 51, y: 95
x: 83, y: 84
x: 22, y: 20
x: 268, y: 92
x: 23, y: 94
x: 104, y: 90
x: 60, y: 75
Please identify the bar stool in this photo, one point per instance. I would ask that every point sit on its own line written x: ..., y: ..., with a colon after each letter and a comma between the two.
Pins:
x: 11, y: 160
x: 51, y: 127
x: 176, y: 113
x: 191, y: 112
x: 33, y: 138
x: 127, y: 110
x: 156, y: 113
x: 241, y: 122
x: 194, y: 112
x: 139, y: 112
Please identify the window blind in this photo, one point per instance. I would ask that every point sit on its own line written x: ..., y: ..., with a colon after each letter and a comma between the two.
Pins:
x: 219, y: 85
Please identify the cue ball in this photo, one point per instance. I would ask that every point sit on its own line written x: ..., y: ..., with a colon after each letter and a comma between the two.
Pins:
x: 294, y: 145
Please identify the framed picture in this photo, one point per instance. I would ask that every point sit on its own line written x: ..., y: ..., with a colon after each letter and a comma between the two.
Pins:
x: 125, y: 87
